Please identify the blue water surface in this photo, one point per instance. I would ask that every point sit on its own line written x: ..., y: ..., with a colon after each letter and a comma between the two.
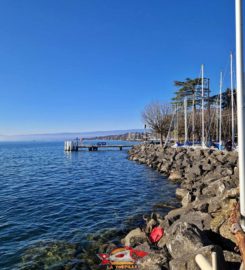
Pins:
x: 49, y: 194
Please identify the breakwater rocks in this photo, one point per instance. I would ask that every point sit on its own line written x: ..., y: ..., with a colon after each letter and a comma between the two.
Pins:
x: 208, y: 188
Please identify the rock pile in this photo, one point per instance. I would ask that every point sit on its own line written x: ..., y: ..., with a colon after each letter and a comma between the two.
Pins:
x: 208, y: 188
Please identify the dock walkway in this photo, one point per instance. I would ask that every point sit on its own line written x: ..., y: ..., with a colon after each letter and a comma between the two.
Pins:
x: 75, y: 146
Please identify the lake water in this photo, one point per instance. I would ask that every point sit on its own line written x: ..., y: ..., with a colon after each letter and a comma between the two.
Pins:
x: 47, y: 194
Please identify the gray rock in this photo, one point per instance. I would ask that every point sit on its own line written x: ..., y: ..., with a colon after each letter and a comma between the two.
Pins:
x: 190, y: 176
x: 180, y: 193
x: 231, y: 193
x: 134, y: 237
x: 199, y: 219
x: 201, y: 206
x: 175, y: 214
x: 232, y: 158
x: 226, y: 171
x: 154, y: 261
x: 165, y: 167
x: 187, y: 199
x: 196, y: 170
x: 221, y: 157
x: 162, y: 242
x: 188, y: 262
x: 232, y: 257
x: 183, y: 239
x: 180, y: 155
x: 144, y: 247
x: 150, y: 222
x: 207, y: 167
x: 175, y: 175
x: 211, y: 176
x: 214, y: 205
x: 186, y: 162
x: 215, y: 188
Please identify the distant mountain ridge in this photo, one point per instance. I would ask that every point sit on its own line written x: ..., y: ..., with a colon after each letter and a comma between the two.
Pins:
x: 129, y: 136
x: 65, y: 135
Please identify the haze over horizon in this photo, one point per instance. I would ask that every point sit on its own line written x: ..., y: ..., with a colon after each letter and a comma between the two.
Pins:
x: 61, y: 136
x: 94, y: 65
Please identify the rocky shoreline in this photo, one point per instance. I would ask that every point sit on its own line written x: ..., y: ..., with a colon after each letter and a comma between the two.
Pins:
x: 208, y: 189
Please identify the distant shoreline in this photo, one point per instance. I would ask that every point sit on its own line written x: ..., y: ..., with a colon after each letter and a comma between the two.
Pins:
x: 129, y: 136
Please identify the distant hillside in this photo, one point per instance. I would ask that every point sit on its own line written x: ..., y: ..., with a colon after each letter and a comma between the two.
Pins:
x: 65, y: 136
x: 129, y: 136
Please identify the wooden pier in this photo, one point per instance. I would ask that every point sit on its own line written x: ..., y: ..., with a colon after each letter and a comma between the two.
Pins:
x: 75, y: 146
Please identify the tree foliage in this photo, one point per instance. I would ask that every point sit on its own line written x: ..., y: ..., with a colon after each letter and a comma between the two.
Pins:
x: 226, y: 99
x: 192, y: 90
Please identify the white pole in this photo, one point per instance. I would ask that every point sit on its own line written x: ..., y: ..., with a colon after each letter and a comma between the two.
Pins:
x: 175, y: 125
x: 220, y: 109
x: 186, y: 131
x: 202, y: 262
x: 217, y: 119
x: 240, y: 107
x: 177, y: 122
x: 203, y: 139
x: 193, y: 119
x: 232, y: 105
x: 214, y: 260
x: 169, y: 130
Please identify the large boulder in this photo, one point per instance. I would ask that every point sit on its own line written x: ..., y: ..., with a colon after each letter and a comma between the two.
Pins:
x: 198, y: 218
x: 220, y: 223
x: 183, y: 238
x: 214, y: 188
x: 175, y: 214
x: 134, y: 237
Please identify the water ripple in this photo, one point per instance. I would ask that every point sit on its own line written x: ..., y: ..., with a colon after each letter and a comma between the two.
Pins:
x: 49, y: 194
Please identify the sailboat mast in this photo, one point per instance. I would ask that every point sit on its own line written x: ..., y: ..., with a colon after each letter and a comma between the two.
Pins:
x: 220, y: 109
x: 232, y: 104
x: 193, y: 120
x: 240, y: 107
x: 217, y: 119
x: 203, y: 139
x: 185, y: 107
x: 177, y: 123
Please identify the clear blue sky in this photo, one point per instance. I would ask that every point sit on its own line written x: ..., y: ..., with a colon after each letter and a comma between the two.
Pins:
x: 86, y: 65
